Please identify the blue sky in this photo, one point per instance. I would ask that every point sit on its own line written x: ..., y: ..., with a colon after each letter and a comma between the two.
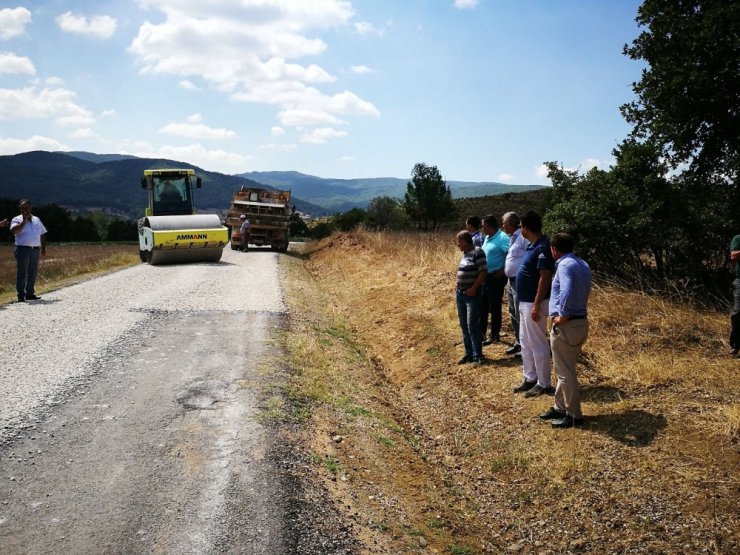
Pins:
x: 485, y: 90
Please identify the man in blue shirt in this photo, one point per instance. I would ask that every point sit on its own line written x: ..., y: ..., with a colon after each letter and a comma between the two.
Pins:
x: 735, y: 318
x: 568, y: 310
x: 532, y: 290
x: 472, y: 224
x: 495, y: 245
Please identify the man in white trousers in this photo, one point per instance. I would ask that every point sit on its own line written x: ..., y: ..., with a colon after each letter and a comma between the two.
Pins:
x: 533, y: 291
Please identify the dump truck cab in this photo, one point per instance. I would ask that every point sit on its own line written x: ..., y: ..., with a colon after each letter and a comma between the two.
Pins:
x: 171, y: 231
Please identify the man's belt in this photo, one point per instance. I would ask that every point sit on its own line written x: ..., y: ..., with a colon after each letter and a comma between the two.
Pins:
x: 27, y: 247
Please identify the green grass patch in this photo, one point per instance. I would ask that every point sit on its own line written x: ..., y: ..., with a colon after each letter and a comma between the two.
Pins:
x: 388, y: 442
x: 331, y: 464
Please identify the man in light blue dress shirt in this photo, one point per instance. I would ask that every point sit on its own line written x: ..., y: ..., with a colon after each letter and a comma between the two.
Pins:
x: 495, y: 245
x: 569, y: 313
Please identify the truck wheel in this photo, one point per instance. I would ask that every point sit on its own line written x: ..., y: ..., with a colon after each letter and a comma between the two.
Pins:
x: 142, y: 255
x: 234, y: 247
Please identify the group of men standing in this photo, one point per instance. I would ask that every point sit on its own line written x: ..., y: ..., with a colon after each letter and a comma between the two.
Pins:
x: 30, y: 244
x: 545, y: 278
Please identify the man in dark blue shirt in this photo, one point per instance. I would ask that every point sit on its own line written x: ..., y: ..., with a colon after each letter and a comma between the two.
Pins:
x: 532, y: 291
x: 568, y: 310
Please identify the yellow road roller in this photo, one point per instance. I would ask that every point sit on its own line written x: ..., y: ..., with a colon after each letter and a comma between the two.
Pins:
x: 171, y: 231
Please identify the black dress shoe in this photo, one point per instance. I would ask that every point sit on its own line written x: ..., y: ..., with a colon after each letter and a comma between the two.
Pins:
x: 465, y: 360
x: 514, y: 349
x: 21, y: 299
x: 487, y: 341
x: 524, y: 386
x: 552, y: 414
x: 479, y: 360
x: 32, y: 298
x: 567, y: 422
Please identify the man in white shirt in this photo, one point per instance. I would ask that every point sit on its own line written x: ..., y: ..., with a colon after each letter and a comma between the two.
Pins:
x: 517, y: 248
x: 30, y: 243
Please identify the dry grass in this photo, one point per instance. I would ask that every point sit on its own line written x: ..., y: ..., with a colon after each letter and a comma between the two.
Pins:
x: 65, y: 264
x: 655, y: 470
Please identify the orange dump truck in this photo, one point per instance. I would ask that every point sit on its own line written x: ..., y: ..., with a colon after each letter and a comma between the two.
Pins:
x: 268, y: 212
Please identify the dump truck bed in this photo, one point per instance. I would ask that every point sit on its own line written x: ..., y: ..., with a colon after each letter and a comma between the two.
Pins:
x: 268, y: 212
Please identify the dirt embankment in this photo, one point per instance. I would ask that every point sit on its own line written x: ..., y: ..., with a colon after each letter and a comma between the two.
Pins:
x: 424, y: 455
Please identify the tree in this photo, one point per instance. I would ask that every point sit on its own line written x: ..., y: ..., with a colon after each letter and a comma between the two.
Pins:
x: 428, y: 199
x: 347, y: 221
x: 84, y: 229
x: 385, y: 213
x: 297, y: 226
x: 688, y: 99
x: 122, y: 230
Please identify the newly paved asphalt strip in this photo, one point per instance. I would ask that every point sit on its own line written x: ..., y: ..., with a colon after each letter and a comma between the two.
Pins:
x: 130, y: 419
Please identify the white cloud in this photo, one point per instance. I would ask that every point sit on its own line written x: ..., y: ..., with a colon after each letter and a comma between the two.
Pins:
x: 365, y: 28
x: 84, y: 133
x: 540, y: 171
x: 12, y: 63
x: 14, y: 146
x: 195, y: 130
x: 346, y: 158
x: 30, y: 103
x: 55, y: 81
x: 212, y: 160
x: 321, y: 135
x: 277, y: 131
x: 307, y: 117
x: 99, y: 26
x: 361, y: 70
x: 187, y: 85
x: 13, y: 22
x: 108, y: 113
x: 590, y: 163
x: 466, y: 4
x: 279, y: 146
x: 506, y: 177
x: 194, y: 118
x: 251, y: 50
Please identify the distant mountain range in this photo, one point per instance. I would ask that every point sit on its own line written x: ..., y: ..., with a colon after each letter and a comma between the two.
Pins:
x: 340, y: 195
x: 109, y: 182
x: 84, y: 181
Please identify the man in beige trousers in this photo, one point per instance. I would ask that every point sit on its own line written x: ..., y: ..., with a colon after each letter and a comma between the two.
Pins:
x: 568, y: 310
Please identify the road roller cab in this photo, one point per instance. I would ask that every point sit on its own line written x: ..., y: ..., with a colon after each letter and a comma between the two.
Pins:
x: 171, y: 231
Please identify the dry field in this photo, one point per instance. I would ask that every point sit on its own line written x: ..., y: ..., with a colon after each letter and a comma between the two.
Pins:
x: 426, y: 456
x: 65, y: 264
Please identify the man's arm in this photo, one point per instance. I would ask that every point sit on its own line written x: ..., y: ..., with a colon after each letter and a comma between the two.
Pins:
x: 43, y: 245
x: 17, y: 228
x: 478, y: 283
x: 734, y: 256
x: 543, y: 286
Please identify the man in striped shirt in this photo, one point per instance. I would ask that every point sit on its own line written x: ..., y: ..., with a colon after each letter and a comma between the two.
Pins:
x: 471, y: 275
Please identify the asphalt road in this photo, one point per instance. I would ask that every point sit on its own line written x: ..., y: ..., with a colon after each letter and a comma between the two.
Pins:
x: 134, y: 424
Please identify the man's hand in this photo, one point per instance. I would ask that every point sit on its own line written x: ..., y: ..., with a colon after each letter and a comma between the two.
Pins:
x: 557, y: 320
x: 536, y: 312
x: 4, y: 223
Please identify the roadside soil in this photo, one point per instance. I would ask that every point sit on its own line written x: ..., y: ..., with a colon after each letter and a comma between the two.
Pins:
x: 427, y: 456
